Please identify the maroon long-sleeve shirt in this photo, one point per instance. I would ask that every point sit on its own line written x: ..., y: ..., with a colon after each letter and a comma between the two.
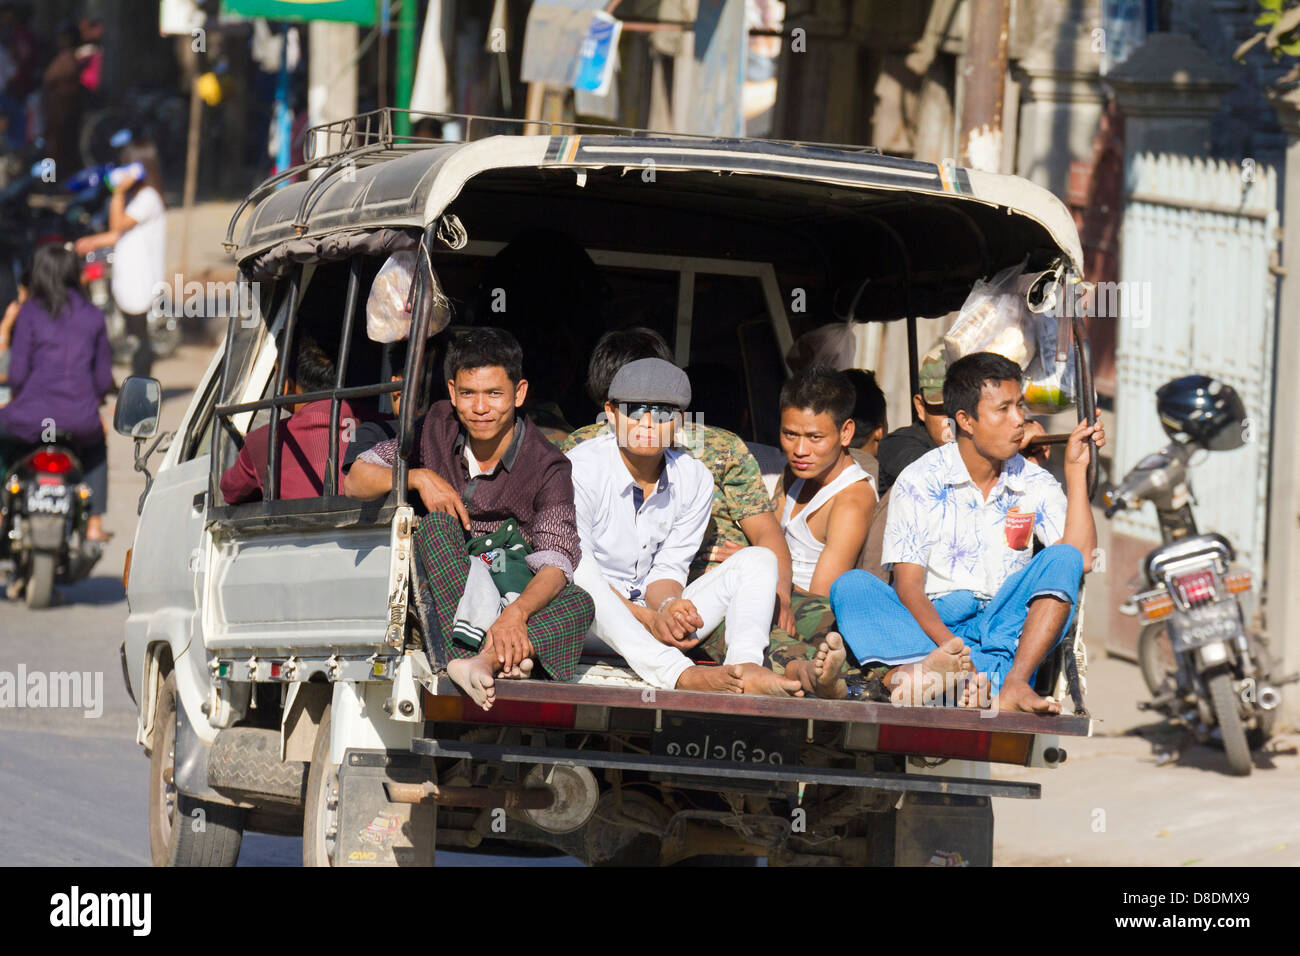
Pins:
x: 304, y: 439
x: 533, y: 484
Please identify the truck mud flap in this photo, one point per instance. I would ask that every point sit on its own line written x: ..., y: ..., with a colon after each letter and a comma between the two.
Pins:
x: 372, y: 830
x: 943, y: 830
x: 689, y: 767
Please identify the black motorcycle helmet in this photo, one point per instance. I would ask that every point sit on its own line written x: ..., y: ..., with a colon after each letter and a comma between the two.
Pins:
x: 1203, y: 411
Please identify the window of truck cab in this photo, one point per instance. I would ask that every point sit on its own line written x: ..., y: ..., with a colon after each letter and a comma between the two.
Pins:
x: 326, y: 301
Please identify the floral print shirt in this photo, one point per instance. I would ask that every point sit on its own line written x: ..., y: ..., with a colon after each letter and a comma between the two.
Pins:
x: 939, y: 520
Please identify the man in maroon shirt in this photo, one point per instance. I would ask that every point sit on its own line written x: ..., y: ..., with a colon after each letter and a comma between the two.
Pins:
x: 477, y: 465
x: 304, y: 437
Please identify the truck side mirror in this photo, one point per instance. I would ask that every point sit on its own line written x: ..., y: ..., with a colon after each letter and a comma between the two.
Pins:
x: 139, y: 402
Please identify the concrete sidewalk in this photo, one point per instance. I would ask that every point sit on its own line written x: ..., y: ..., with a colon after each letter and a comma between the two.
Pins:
x: 1138, y: 793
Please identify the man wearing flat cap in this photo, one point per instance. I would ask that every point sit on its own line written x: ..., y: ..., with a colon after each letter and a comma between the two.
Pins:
x: 642, y: 509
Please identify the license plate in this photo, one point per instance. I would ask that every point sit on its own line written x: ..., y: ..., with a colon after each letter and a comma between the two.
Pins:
x: 732, y: 740
x: 48, y: 499
x: 1206, y: 625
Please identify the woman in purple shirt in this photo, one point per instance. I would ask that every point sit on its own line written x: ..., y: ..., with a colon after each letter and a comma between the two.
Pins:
x: 60, y: 369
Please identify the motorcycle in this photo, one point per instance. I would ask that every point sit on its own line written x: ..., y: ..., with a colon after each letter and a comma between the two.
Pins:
x: 1203, y: 664
x: 44, y: 509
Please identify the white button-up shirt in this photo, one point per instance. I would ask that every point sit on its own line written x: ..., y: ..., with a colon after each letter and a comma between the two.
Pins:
x: 636, y: 546
x: 939, y: 519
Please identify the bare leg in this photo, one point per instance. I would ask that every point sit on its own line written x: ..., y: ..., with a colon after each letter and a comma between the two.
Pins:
x: 726, y: 679
x: 1047, y: 615
x: 95, y: 528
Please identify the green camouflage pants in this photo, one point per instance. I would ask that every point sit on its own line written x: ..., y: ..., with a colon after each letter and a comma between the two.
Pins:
x: 813, y: 620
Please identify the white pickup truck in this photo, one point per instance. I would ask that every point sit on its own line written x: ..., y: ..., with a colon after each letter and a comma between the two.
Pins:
x: 274, y: 649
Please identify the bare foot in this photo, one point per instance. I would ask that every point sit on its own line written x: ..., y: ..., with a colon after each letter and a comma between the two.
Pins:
x: 952, y: 657
x: 828, y: 664
x: 927, y: 681
x: 975, y: 691
x: 726, y: 679
x: 521, y: 671
x: 473, y: 675
x: 1017, y: 695
x: 761, y: 680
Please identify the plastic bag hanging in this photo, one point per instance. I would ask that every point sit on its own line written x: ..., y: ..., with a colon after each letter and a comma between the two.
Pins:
x: 392, y: 295
x: 994, y: 318
x: 1049, y: 385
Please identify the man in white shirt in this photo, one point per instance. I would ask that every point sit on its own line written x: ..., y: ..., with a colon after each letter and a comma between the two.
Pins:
x: 642, y: 510
x: 967, y: 595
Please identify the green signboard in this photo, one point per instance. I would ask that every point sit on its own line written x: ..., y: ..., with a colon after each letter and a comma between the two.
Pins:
x: 346, y: 11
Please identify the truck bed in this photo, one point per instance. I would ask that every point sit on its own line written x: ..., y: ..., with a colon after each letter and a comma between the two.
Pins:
x: 605, y: 685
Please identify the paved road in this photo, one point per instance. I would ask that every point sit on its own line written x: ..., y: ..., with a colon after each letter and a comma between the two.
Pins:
x: 72, y: 786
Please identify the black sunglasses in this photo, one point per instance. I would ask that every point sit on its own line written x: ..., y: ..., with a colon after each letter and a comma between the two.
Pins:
x: 659, y: 414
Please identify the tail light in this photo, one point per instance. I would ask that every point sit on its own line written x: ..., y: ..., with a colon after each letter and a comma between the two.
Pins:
x: 1196, y: 588
x: 957, y: 744
x: 52, y: 462
x: 92, y: 272
x: 1155, y: 606
x: 1237, y: 582
x: 521, y: 713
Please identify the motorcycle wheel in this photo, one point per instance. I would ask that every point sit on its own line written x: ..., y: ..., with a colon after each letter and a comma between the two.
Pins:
x: 1224, y: 702
x: 1157, y: 660
x: 40, y: 581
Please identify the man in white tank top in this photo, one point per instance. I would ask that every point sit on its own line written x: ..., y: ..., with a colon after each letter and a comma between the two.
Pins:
x: 824, y: 502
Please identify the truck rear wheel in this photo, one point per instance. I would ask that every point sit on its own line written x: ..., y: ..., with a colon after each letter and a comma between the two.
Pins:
x: 184, y: 831
x: 320, y: 816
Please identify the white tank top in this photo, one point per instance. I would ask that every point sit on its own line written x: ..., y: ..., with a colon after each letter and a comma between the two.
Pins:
x: 805, y: 549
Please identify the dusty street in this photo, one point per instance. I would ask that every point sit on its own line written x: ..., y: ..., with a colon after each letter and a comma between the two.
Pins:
x: 73, y: 786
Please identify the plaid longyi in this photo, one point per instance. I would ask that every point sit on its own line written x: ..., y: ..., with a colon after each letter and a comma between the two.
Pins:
x: 557, y: 632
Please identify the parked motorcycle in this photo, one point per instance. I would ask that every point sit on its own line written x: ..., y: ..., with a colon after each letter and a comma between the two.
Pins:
x: 1201, y: 660
x: 44, y: 508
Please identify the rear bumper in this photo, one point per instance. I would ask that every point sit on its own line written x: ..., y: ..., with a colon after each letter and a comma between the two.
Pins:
x: 688, y: 767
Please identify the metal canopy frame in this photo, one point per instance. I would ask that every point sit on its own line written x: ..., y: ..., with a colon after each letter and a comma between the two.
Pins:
x: 259, y: 512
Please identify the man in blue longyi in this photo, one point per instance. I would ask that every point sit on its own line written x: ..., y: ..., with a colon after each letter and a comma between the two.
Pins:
x: 969, y: 599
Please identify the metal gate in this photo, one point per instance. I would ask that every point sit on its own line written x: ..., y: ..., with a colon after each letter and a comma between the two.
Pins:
x: 1197, y: 243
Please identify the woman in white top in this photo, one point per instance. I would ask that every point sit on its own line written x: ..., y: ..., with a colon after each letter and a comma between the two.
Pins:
x: 137, y: 228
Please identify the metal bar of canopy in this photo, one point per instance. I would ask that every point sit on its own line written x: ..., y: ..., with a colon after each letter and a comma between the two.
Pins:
x: 219, y: 447
x: 271, y: 485
x: 414, y: 372
x: 349, y: 311
x: 355, y: 391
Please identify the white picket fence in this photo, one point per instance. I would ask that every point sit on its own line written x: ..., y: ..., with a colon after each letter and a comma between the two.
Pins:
x: 1198, y: 238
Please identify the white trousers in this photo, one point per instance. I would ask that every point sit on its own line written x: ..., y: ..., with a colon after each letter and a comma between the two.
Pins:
x: 741, y: 591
